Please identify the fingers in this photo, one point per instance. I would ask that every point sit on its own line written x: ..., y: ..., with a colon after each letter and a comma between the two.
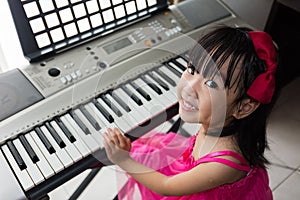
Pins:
x: 114, y: 137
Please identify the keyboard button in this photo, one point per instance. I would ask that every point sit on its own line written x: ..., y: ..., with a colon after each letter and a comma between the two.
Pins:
x: 89, y: 117
x: 104, y: 112
x: 79, y: 122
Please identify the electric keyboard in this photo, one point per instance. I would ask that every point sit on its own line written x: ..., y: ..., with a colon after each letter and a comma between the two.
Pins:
x: 57, y: 111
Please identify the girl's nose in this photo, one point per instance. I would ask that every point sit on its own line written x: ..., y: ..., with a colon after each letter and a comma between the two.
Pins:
x: 190, y: 88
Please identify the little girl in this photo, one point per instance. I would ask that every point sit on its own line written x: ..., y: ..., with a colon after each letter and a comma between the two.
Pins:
x: 228, y: 87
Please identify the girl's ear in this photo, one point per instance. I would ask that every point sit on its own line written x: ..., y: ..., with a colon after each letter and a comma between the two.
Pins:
x: 245, y: 108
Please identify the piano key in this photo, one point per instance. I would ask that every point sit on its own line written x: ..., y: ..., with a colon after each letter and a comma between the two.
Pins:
x: 43, y: 164
x: 79, y: 123
x: 81, y: 146
x: 11, y: 187
x: 172, y: 88
x: 70, y: 147
x: 139, y: 113
x: 66, y: 131
x: 54, y: 134
x: 45, y: 141
x: 17, y: 157
x: 120, y: 101
x: 166, y: 77
x: 140, y: 90
x: 156, y: 99
x: 166, y: 93
x: 172, y: 68
x: 120, y: 122
x: 32, y: 169
x: 126, y: 116
x: 62, y: 155
x: 104, y: 112
x: 176, y: 66
x: 28, y: 149
x: 182, y: 63
x: 52, y: 159
x: 132, y: 95
x: 89, y: 117
x: 159, y: 81
x: 94, y: 133
x: 99, y: 117
x: 151, y: 84
x: 111, y: 105
x: 87, y: 139
x: 147, y: 109
x: 22, y: 175
x: 169, y: 73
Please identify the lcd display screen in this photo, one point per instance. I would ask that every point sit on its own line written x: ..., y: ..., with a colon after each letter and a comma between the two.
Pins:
x: 115, y: 46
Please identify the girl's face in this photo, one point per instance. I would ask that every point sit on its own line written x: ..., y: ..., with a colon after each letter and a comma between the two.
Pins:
x: 204, y: 100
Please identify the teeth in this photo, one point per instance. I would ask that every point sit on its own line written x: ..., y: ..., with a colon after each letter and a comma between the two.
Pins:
x: 189, y: 106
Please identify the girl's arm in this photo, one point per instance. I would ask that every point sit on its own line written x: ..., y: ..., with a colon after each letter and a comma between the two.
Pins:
x: 200, y: 178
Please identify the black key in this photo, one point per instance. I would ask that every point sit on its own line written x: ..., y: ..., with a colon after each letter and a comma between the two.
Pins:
x: 90, y: 118
x: 151, y: 85
x: 141, y: 91
x: 159, y: 81
x: 183, y: 68
x: 104, y: 112
x: 111, y: 105
x: 132, y: 95
x: 166, y: 77
x: 80, y: 123
x: 66, y: 131
x: 16, y: 155
x: 45, y: 141
x: 120, y: 101
x: 29, y: 149
x: 55, y: 135
x: 175, y: 71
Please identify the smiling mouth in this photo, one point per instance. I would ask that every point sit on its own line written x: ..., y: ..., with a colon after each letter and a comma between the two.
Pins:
x: 189, y: 106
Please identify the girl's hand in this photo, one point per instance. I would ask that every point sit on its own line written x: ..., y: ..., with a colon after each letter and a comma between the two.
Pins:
x: 117, y: 146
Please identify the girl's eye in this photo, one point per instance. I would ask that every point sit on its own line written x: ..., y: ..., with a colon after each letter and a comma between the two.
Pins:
x: 191, y: 70
x: 211, y: 84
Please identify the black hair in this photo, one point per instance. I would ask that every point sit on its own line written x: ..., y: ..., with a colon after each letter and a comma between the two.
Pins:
x: 234, y: 46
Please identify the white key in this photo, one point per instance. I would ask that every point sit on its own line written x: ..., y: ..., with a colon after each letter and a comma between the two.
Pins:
x: 138, y: 113
x: 87, y: 139
x: 175, y: 67
x: 23, y: 175
x: 51, y: 158
x: 169, y: 73
x: 169, y: 95
x: 147, y: 105
x: 61, y: 153
x: 172, y: 88
x: 125, y: 115
x: 99, y: 117
x: 70, y: 147
x: 94, y: 133
x: 81, y: 146
x: 182, y: 61
x: 123, y: 125
x: 32, y: 169
x: 156, y: 99
x: 43, y: 164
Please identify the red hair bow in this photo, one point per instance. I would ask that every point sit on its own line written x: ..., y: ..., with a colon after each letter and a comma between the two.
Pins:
x: 263, y: 87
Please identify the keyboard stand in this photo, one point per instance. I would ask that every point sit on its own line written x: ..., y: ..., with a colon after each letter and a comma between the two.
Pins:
x: 175, y: 127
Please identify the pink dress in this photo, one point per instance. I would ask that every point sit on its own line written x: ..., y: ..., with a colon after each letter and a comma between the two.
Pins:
x: 171, y: 154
